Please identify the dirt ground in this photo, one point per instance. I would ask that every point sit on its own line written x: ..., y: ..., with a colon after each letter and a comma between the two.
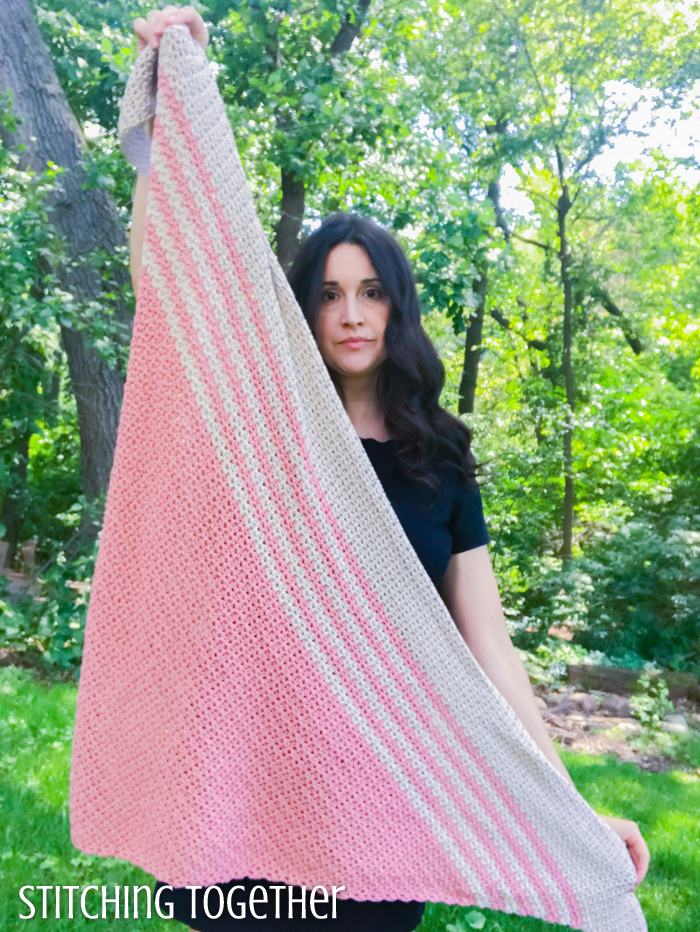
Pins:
x: 570, y: 721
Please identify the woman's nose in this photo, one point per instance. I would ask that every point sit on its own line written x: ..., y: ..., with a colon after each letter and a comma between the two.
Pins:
x: 352, y: 312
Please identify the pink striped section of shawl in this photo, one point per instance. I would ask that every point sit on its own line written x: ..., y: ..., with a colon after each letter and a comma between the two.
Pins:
x: 271, y: 685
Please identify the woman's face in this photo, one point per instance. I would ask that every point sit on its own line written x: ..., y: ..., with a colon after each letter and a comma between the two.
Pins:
x: 353, y: 314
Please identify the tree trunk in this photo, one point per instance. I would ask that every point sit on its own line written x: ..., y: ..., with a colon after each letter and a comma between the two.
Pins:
x: 472, y: 345
x: 563, y: 206
x: 291, y: 217
x: 293, y: 189
x: 14, y: 506
x: 85, y: 219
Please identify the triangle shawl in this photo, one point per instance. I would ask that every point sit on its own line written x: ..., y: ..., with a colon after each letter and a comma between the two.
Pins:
x: 271, y: 685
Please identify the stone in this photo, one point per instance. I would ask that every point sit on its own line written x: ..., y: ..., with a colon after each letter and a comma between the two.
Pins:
x: 29, y: 553
x: 675, y: 724
x: 555, y: 720
x: 560, y: 703
x: 676, y: 717
x: 674, y: 728
x: 618, y: 705
x: 587, y: 703
x: 632, y: 728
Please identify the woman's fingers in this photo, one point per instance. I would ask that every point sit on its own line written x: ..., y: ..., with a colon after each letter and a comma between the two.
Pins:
x: 639, y: 852
x: 187, y: 15
x: 144, y: 29
x: 141, y: 29
x: 160, y: 21
x: 631, y: 835
x: 150, y: 31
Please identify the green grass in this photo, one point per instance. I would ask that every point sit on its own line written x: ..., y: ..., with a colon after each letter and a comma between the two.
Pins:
x: 666, y: 807
x: 35, y: 848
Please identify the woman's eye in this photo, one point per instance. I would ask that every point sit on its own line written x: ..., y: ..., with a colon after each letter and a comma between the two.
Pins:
x: 329, y: 295
x: 374, y: 293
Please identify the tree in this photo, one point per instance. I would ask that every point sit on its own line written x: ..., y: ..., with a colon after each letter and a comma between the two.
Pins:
x: 47, y: 133
x: 319, y: 97
x: 528, y: 84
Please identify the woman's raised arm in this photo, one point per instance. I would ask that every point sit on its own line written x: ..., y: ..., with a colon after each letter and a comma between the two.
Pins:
x: 138, y: 223
x: 149, y: 32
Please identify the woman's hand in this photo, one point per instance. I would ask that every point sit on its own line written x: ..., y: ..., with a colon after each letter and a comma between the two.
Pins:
x: 632, y: 837
x: 150, y: 31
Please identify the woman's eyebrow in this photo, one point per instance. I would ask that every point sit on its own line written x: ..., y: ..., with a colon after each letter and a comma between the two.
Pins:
x: 365, y: 281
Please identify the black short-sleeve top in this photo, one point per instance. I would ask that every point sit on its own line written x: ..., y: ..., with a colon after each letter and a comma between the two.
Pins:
x: 437, y: 525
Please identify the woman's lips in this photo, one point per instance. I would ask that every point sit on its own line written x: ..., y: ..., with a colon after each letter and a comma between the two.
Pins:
x: 354, y: 344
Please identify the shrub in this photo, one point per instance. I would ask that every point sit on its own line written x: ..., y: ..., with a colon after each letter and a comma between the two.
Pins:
x: 645, y: 596
x: 650, y: 701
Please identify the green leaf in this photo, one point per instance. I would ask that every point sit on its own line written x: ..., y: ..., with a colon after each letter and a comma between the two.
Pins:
x: 475, y: 919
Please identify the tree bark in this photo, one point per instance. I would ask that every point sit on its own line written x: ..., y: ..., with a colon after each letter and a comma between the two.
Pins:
x: 293, y: 187
x: 291, y: 217
x: 472, y: 344
x: 86, y: 220
x: 350, y: 29
x: 621, y: 681
x: 14, y: 505
x: 563, y: 207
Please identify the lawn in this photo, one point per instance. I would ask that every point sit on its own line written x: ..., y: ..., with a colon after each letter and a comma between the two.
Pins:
x: 35, y: 734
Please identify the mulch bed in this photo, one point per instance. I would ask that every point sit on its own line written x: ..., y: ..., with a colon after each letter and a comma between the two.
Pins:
x: 602, y: 731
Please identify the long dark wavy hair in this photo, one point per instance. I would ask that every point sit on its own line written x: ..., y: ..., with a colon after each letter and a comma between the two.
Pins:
x: 411, y: 378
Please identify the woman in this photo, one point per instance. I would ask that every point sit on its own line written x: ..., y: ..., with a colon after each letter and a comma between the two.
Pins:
x: 357, y: 292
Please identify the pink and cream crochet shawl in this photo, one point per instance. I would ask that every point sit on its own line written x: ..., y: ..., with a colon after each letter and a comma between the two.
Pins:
x: 271, y: 685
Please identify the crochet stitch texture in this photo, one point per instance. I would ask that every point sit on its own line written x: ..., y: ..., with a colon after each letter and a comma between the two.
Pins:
x: 271, y: 684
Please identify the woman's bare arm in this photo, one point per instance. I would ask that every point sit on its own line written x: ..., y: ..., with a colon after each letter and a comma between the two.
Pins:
x: 470, y: 592
x: 149, y: 32
x: 138, y: 222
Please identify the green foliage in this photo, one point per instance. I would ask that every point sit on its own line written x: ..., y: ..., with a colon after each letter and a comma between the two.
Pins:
x: 54, y: 485
x: 92, y: 51
x: 646, y: 597
x: 472, y: 919
x: 632, y: 596
x: 682, y: 750
x: 547, y: 663
x: 650, y: 701
x: 429, y: 108
x: 686, y: 749
x: 49, y: 628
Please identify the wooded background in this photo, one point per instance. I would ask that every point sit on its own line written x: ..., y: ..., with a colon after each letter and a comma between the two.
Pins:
x: 561, y: 290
